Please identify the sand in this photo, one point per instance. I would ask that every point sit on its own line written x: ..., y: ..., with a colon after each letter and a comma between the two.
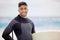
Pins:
x: 41, y: 34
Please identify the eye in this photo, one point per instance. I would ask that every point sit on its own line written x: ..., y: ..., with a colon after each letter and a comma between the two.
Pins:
x: 25, y: 8
x: 21, y: 8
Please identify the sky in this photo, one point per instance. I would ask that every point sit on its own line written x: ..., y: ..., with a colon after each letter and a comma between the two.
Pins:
x: 39, y: 8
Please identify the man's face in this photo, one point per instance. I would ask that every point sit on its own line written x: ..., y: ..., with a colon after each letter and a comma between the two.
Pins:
x: 23, y: 10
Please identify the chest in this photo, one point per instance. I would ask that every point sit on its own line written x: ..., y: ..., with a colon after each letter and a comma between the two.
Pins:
x: 26, y: 26
x: 23, y: 27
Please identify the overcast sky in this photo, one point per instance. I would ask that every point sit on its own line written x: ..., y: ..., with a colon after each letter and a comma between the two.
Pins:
x: 42, y: 8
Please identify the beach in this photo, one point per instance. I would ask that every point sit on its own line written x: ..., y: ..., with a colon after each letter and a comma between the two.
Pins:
x: 44, y: 32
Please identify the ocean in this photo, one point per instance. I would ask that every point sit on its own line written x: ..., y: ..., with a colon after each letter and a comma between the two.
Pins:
x: 42, y: 24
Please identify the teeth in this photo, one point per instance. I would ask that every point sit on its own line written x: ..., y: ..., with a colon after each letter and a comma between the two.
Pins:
x: 24, y: 13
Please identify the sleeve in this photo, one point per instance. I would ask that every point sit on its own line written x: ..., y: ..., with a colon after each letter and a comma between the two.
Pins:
x: 7, y: 31
x: 33, y: 28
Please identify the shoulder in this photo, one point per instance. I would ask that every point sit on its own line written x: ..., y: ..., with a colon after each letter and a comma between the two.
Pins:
x: 30, y: 21
x: 13, y: 21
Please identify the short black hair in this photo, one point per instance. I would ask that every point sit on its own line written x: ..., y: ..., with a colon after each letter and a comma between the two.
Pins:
x: 22, y: 3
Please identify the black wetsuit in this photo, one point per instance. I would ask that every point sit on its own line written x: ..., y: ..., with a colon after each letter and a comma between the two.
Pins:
x: 23, y: 28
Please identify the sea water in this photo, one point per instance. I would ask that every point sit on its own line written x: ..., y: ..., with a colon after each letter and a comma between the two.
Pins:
x: 42, y: 24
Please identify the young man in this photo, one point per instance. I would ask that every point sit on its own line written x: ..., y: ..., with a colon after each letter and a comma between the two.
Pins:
x: 21, y: 25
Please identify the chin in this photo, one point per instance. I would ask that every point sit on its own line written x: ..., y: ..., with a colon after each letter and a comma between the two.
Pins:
x: 23, y: 15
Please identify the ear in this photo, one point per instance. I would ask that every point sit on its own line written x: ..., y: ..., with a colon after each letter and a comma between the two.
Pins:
x: 18, y: 10
x: 27, y: 9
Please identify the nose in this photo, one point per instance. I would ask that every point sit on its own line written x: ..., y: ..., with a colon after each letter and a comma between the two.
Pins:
x: 24, y: 10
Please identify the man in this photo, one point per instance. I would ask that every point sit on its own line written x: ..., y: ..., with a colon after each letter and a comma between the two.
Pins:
x: 21, y: 25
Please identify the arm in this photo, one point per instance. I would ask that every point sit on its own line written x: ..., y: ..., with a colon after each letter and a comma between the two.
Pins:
x: 7, y: 31
x: 33, y: 28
